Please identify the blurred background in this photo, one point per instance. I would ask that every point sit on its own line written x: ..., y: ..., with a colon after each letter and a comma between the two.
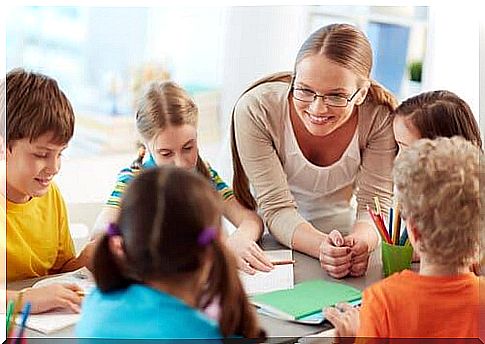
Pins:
x: 104, y: 56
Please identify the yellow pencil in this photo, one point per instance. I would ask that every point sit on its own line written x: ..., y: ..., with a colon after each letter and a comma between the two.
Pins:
x: 378, y: 205
x: 81, y: 293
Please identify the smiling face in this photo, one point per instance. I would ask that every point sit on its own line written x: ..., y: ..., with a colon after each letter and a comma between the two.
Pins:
x: 175, y: 145
x: 322, y: 76
x: 31, y: 167
x: 404, y: 132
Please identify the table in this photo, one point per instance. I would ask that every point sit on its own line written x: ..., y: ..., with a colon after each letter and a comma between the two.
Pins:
x: 305, y: 268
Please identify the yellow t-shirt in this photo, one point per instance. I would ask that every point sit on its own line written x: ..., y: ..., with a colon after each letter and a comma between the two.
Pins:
x: 38, y: 238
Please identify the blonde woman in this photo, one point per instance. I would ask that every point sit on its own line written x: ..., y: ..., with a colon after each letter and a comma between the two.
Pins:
x: 308, y: 141
x: 166, y: 120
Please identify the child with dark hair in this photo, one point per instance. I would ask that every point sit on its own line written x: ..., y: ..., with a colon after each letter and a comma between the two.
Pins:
x: 433, y: 114
x: 164, y: 260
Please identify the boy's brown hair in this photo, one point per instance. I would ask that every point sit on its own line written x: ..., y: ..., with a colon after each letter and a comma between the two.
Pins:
x: 35, y: 106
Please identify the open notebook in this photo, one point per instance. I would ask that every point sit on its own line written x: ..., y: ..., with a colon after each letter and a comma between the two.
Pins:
x: 304, y: 303
x: 57, y: 320
x: 281, y: 277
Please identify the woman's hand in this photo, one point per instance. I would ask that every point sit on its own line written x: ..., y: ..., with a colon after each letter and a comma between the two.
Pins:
x: 360, y: 256
x: 250, y: 257
x: 54, y: 296
x: 344, y: 318
x: 335, y: 255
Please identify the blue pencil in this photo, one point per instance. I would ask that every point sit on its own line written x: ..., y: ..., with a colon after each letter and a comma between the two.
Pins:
x: 25, y: 315
x: 391, y: 213
x: 404, y: 237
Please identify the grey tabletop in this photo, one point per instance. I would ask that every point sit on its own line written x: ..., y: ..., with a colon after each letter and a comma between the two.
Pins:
x: 305, y: 268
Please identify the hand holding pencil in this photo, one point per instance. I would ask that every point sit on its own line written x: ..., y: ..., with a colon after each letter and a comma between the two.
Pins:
x: 64, y: 296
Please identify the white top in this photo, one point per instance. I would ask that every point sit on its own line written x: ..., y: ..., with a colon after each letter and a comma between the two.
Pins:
x: 318, y: 189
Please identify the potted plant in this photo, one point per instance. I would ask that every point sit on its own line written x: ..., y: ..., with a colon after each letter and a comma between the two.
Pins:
x: 415, y: 71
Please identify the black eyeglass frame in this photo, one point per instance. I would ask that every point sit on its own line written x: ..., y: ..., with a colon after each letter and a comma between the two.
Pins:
x: 323, y: 96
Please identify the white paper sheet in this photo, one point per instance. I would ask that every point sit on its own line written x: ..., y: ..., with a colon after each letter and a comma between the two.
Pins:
x: 57, y: 320
x: 281, y: 277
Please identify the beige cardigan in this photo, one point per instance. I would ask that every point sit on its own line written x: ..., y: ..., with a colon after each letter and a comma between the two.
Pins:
x: 259, y: 119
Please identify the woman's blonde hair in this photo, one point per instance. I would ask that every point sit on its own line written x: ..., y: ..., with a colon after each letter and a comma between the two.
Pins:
x: 165, y: 104
x: 343, y: 44
x: 348, y: 47
x: 438, y: 188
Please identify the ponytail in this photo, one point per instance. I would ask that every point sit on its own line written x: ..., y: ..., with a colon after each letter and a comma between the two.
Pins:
x: 138, y: 162
x: 202, y: 167
x: 382, y: 96
x: 107, y: 272
x: 240, y: 183
x: 237, y: 316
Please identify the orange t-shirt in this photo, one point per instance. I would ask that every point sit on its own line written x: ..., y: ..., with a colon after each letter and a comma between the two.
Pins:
x: 411, y: 305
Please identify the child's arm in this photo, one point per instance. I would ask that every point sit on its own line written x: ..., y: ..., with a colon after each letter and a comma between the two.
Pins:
x: 243, y: 241
x: 43, y: 299
x: 83, y: 259
x: 108, y: 215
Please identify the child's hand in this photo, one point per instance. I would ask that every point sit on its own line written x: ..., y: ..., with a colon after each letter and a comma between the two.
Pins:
x: 250, y: 257
x: 335, y: 255
x: 345, y: 318
x: 360, y: 256
x: 64, y: 296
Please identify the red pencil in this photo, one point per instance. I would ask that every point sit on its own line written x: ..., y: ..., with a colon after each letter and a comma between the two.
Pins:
x: 379, y: 223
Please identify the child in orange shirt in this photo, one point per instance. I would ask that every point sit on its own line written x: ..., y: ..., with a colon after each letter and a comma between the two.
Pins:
x: 437, y: 183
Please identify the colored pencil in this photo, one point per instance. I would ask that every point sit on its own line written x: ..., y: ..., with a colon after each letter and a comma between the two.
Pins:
x: 391, y: 213
x: 404, y: 237
x: 397, y: 221
x: 382, y: 230
x: 10, y: 307
x: 81, y: 293
x: 25, y: 315
x: 283, y: 262
x: 16, y: 311
x: 378, y: 205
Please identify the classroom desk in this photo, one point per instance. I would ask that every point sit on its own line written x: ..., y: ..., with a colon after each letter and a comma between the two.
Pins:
x: 305, y: 268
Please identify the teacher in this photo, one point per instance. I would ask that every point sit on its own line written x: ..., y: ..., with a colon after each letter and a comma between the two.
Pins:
x: 308, y: 141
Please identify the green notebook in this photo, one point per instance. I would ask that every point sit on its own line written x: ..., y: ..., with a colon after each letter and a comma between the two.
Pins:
x: 305, y: 298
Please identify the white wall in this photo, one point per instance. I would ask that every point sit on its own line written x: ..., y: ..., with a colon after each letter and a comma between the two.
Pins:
x: 258, y: 41
x: 452, y: 60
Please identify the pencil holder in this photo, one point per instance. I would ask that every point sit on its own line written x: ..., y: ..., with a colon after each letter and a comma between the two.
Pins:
x: 395, y: 258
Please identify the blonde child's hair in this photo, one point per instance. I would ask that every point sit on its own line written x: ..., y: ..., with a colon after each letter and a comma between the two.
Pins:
x: 438, y: 187
x: 165, y: 104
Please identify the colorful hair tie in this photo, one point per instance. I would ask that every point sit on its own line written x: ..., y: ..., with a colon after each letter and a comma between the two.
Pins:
x: 113, y: 230
x: 206, y: 236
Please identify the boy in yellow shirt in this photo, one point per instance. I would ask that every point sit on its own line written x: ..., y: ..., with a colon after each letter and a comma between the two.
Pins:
x: 40, y: 123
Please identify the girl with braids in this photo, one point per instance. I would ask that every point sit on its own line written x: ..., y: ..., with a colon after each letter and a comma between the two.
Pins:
x: 309, y: 141
x: 162, y: 261
x: 166, y: 120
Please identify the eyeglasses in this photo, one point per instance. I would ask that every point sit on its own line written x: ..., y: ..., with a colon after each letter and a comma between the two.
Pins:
x: 308, y: 96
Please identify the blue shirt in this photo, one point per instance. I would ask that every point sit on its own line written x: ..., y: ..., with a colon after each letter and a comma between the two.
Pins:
x: 140, y: 311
